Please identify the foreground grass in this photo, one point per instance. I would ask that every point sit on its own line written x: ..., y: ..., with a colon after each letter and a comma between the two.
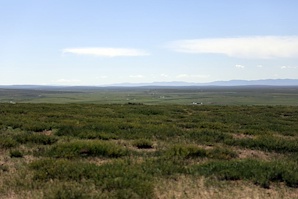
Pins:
x: 139, y: 151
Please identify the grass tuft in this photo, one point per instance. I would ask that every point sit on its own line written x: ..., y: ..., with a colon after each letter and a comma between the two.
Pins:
x: 16, y: 154
x: 259, y: 172
x: 143, y: 144
x: 85, y: 148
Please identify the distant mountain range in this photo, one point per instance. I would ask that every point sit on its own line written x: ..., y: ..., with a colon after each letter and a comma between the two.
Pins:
x: 265, y: 82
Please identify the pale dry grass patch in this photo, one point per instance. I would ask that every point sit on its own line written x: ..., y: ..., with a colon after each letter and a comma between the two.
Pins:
x: 242, y: 136
x: 255, y: 154
x: 28, y: 194
x: 184, y: 187
x: 47, y: 132
x: 14, y: 182
x: 98, y: 161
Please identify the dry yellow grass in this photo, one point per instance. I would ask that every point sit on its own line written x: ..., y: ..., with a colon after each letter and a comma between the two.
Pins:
x: 184, y: 187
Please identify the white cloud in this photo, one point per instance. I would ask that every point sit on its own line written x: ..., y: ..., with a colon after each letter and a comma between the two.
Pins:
x: 106, y: 52
x: 67, y: 80
x: 259, y: 47
x: 239, y: 66
x: 102, y: 77
x: 136, y: 76
x: 182, y: 75
x: 192, y: 76
x: 288, y: 67
x: 260, y: 66
x: 164, y: 75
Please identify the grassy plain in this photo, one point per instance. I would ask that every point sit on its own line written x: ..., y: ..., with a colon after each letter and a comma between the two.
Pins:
x: 233, y: 95
x: 149, y: 143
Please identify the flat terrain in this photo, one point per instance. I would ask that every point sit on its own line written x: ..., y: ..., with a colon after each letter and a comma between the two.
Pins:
x: 131, y: 150
x: 207, y: 95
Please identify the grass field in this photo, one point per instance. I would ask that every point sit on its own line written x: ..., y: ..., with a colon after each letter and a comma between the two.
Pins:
x: 241, y: 95
x: 133, y: 150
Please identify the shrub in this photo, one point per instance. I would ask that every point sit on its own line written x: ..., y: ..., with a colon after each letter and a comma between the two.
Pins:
x: 259, y: 172
x: 35, y: 138
x: 193, y: 151
x: 143, y: 144
x: 96, y: 135
x: 221, y: 153
x: 120, y: 179
x: 87, y: 132
x: 186, y: 151
x: 46, y: 169
x: 4, y: 168
x: 86, y: 148
x: 66, y: 191
x: 267, y: 143
x: 16, y: 154
x: 35, y: 126
x: 206, y: 136
x: 165, y: 166
x: 7, y: 142
x: 68, y: 130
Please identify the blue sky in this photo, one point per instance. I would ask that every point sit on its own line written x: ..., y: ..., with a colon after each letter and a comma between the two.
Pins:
x: 99, y: 42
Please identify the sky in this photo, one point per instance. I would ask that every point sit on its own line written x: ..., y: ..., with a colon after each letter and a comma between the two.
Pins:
x: 102, y: 42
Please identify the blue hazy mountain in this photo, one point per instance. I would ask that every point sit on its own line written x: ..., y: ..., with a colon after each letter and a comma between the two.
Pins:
x: 265, y: 82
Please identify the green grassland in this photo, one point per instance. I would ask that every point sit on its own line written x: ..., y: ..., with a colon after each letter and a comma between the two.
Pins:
x: 132, y: 150
x: 237, y: 95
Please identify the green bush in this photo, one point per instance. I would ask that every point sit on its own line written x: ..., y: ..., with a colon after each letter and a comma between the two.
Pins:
x: 35, y: 126
x: 46, y: 169
x: 186, y: 151
x: 35, y: 138
x: 4, y: 168
x: 96, y: 135
x: 193, y: 151
x: 66, y: 192
x: 120, y: 179
x: 68, y: 130
x: 221, y: 153
x: 259, y: 172
x: 208, y: 136
x: 267, y: 143
x: 87, y: 132
x: 143, y: 144
x: 16, y: 154
x: 165, y: 166
x: 7, y: 142
x: 85, y: 148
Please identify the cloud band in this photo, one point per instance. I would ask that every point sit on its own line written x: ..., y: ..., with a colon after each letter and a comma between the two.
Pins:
x: 260, y: 47
x: 106, y: 52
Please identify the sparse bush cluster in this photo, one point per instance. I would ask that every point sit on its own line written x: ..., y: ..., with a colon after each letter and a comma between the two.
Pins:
x: 81, y: 148
x: 267, y: 143
x: 143, y: 144
x: 25, y: 138
x: 7, y: 142
x: 259, y: 172
x: 193, y: 151
x: 88, y: 132
x: 16, y: 154
x: 35, y: 138
x: 120, y: 179
x: 97, y: 151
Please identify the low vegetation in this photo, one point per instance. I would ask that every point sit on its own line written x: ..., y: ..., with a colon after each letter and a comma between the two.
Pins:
x: 147, y: 151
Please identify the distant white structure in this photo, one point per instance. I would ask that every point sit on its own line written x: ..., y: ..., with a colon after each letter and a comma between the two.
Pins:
x: 12, y: 102
x: 197, y: 103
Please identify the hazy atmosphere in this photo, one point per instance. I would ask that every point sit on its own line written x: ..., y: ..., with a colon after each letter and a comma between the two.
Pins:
x: 72, y: 42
